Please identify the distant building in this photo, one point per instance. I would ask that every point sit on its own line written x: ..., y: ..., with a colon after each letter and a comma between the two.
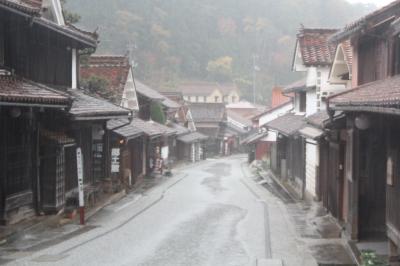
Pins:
x: 209, y: 92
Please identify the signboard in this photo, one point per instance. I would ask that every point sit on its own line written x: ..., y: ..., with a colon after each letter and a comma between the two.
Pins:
x: 79, y: 163
x: 164, y: 152
x: 115, y: 153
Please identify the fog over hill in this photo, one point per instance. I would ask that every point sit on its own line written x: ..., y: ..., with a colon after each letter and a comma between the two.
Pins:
x: 173, y: 40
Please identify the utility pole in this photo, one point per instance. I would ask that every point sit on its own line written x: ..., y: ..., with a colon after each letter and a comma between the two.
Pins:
x: 255, y: 69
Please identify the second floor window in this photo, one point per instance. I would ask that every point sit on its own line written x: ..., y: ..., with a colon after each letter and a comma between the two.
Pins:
x: 216, y: 99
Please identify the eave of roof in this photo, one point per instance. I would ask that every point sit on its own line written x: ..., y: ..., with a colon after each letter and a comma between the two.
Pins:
x: 288, y: 124
x: 18, y: 91
x: 361, y: 24
x: 192, y: 137
x: 376, y: 96
x: 87, y: 39
x: 85, y: 107
x: 272, y: 110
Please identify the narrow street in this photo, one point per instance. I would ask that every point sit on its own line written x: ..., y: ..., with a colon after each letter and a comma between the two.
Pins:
x: 212, y: 213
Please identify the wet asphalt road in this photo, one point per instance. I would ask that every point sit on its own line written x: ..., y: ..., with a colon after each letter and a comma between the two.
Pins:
x: 207, y: 214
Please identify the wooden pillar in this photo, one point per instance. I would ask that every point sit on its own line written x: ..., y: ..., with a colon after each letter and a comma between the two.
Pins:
x: 353, y: 179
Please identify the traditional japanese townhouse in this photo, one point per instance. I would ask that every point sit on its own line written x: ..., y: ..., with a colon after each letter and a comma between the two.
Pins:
x: 314, y: 55
x: 371, y: 128
x: 88, y: 118
x: 259, y: 143
x: 190, y: 144
x: 22, y: 104
x: 128, y: 142
x: 210, y: 119
x: 238, y: 127
x: 288, y: 153
x: 37, y: 46
x: 128, y: 152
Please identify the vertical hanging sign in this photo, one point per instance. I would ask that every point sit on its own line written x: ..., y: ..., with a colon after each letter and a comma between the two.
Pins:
x: 79, y: 163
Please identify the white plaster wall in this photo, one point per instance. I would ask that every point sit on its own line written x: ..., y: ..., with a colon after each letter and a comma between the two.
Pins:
x: 311, y: 103
x: 275, y: 114
x: 311, y: 166
x: 129, y: 96
x: 211, y: 98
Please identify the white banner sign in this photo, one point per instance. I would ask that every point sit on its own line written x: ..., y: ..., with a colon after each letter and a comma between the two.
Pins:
x: 79, y: 163
x: 115, y: 160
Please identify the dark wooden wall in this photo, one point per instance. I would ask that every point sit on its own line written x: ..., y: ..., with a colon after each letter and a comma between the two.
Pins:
x: 393, y: 191
x: 35, y: 52
x: 373, y: 60
x: 372, y: 181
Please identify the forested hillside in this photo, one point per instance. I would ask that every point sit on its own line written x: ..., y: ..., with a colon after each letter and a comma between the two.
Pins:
x: 173, y: 40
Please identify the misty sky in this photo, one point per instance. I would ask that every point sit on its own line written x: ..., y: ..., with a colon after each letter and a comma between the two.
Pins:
x: 376, y: 2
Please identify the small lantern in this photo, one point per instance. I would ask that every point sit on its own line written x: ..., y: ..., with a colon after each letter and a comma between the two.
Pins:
x: 362, y: 122
x: 15, y: 112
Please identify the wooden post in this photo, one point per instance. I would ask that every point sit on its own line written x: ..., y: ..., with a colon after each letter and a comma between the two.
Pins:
x: 80, y: 185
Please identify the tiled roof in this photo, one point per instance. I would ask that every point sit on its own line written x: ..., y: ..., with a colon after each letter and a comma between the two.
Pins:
x: 311, y: 132
x: 125, y: 129
x: 238, y: 118
x: 192, y: 137
x: 114, y: 69
x: 300, y: 85
x: 382, y: 94
x: 252, y: 138
x: 234, y: 129
x: 208, y: 112
x: 150, y: 93
x: 26, y: 6
x: 318, y: 118
x: 152, y: 129
x: 315, y: 46
x: 16, y: 90
x: 362, y: 23
x: 287, y: 124
x: 180, y: 130
x: 88, y: 107
x: 271, y: 110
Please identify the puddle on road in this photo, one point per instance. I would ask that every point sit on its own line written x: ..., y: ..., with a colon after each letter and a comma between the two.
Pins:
x: 208, y: 238
x: 219, y: 171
